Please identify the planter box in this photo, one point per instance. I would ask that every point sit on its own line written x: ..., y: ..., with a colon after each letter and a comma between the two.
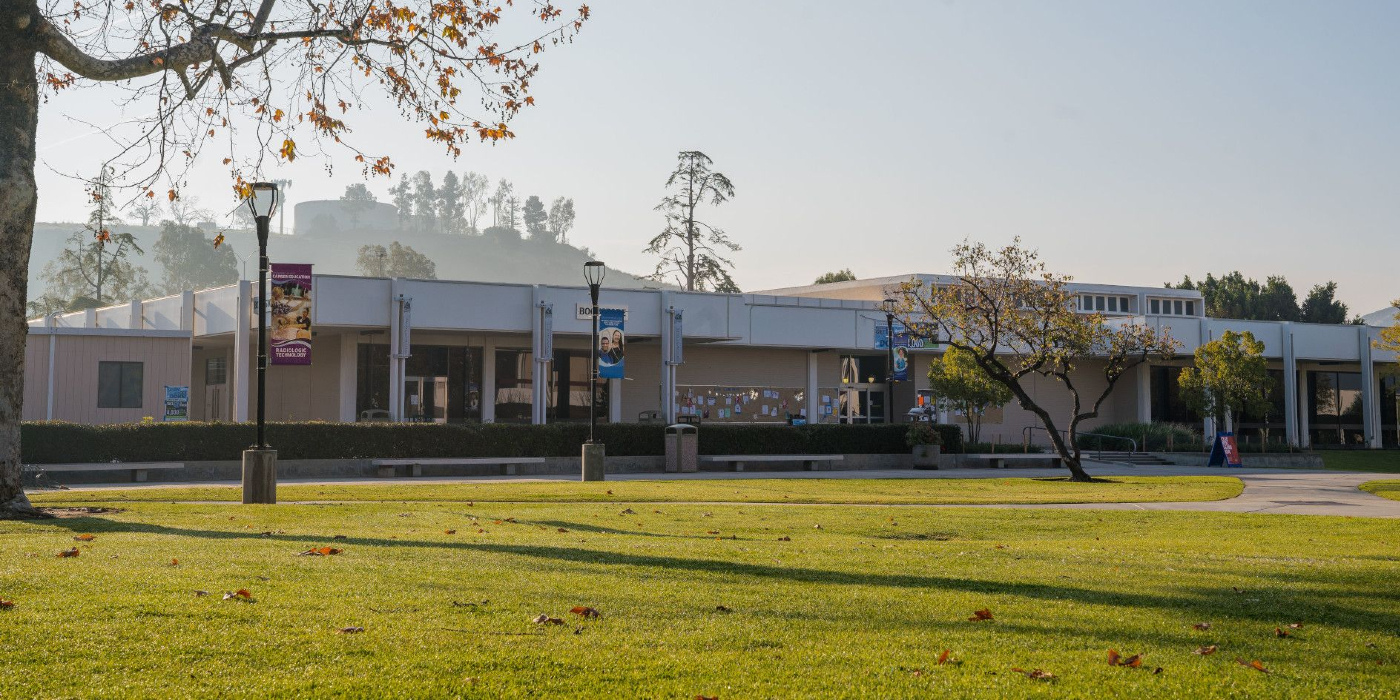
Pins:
x: 926, y: 456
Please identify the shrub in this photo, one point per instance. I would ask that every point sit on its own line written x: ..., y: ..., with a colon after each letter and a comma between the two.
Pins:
x: 1150, y: 437
x: 56, y: 442
x: 920, y: 433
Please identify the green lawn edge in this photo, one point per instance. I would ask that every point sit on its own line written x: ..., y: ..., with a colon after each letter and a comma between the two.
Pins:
x: 1385, y: 488
x: 1003, y: 490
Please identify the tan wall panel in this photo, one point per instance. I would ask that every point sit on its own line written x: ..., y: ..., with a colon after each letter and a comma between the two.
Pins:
x: 165, y: 362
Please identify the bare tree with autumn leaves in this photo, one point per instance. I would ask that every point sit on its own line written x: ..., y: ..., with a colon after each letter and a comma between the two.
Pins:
x: 1017, y: 322
x: 259, y: 81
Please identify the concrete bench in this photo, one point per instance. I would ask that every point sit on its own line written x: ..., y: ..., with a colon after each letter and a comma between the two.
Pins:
x: 737, y: 462
x: 138, y: 469
x: 999, y: 461
x: 388, y: 467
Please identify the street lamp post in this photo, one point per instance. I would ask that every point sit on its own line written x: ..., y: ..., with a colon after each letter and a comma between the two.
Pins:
x: 594, y: 454
x: 260, y: 462
x: 889, y: 307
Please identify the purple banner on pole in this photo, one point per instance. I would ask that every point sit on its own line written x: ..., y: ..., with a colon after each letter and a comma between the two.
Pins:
x: 291, y: 314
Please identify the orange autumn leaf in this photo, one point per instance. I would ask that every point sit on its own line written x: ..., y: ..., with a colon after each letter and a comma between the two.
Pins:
x: 1255, y: 664
x: 174, y: 561
x: 1205, y: 651
x: 321, y: 552
x: 706, y: 697
x: 1134, y: 661
x: 1201, y: 626
x: 68, y: 553
x: 6, y: 604
x: 449, y: 532
x: 85, y: 538
x: 1281, y: 633
x: 1035, y: 674
x: 583, y: 611
x: 981, y: 615
x: 563, y: 529
x: 1112, y: 657
x: 218, y: 241
x: 943, y: 658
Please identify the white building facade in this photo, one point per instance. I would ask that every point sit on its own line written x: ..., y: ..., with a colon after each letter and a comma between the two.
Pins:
x: 455, y: 352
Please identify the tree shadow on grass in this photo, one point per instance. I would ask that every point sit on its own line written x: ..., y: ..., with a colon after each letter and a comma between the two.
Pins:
x: 1198, y: 602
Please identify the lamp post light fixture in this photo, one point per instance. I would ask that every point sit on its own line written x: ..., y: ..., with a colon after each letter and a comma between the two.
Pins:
x: 594, y: 454
x: 260, y: 462
x: 889, y: 306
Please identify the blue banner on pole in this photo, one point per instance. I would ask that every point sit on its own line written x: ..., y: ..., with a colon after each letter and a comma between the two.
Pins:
x: 612, y: 344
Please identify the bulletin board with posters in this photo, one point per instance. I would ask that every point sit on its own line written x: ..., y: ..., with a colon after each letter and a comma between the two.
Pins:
x: 741, y: 404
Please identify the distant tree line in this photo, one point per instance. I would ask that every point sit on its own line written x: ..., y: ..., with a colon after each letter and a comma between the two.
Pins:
x: 1234, y: 296
x: 460, y: 205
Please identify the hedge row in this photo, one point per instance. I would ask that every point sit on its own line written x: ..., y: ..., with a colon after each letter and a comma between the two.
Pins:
x: 55, y: 442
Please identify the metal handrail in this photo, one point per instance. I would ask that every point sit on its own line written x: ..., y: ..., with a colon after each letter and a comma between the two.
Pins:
x: 1025, y: 438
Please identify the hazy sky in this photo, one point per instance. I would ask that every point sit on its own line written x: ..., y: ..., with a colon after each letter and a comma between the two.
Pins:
x: 1131, y: 142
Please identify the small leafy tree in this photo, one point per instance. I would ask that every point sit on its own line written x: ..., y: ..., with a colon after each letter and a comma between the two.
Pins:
x: 425, y: 202
x: 956, y: 379
x: 190, y: 261
x: 396, y: 261
x: 474, y: 187
x: 690, y: 248
x: 1390, y: 336
x: 1017, y: 322
x: 92, y: 273
x: 561, y: 218
x: 1230, y: 373
x: 449, y: 204
x: 838, y: 276
x: 1321, y: 305
x: 403, y: 201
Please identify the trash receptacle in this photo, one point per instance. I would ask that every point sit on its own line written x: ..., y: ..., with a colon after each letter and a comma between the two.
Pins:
x: 682, y: 441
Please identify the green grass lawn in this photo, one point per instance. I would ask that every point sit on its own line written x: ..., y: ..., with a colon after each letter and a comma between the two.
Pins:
x: 1383, y: 461
x: 846, y: 601
x: 1385, y: 488
x: 1118, y: 489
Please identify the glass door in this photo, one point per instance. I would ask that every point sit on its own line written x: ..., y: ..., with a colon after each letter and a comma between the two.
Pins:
x: 425, y: 399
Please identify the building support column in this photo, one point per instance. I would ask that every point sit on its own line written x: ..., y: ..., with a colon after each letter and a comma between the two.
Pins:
x: 242, y: 361
x: 395, y: 349
x: 1290, y: 388
x: 1370, y: 389
x: 813, y: 406
x: 53, y: 353
x: 488, y: 381
x: 349, y: 376
x: 1144, y: 393
x: 1304, y: 430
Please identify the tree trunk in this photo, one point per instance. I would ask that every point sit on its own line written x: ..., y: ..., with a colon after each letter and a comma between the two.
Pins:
x: 19, y: 117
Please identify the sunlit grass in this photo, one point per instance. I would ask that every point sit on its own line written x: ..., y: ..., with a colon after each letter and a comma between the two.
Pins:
x: 846, y: 601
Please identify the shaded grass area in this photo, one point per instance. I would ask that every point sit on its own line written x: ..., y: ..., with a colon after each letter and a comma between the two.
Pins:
x: 1382, y: 461
x: 852, y: 608
x: 1118, y: 489
x: 1385, y: 488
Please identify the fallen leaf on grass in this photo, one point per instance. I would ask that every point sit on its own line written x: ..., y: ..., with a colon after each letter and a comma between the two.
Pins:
x: 1001, y: 546
x: 723, y: 608
x: 340, y: 537
x: 1205, y: 651
x: 943, y: 658
x: 1035, y: 674
x: 706, y: 697
x: 712, y: 532
x: 1255, y: 664
x: 200, y: 594
x: 68, y: 553
x: 1281, y: 633
x: 6, y: 604
x: 818, y: 526
x: 1295, y: 625
x: 241, y: 595
x: 321, y: 552
x: 1134, y: 661
x: 584, y: 612
x: 456, y: 604
x: 563, y: 529
x: 981, y: 615
x: 1201, y: 626
x: 915, y: 672
x: 545, y: 619
x: 449, y: 532
x: 628, y: 511
x: 350, y: 630
x: 174, y: 561
x: 784, y: 538
x: 85, y: 538
x: 610, y: 492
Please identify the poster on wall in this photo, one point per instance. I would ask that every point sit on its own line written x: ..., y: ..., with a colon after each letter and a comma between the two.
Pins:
x: 612, y: 344
x: 291, y: 314
x: 177, y: 404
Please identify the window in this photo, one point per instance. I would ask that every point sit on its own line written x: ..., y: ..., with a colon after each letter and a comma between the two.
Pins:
x: 1098, y: 303
x: 1156, y: 306
x: 1190, y: 308
x: 119, y: 384
x: 1113, y: 303
x: 215, y: 371
x: 1176, y: 304
x: 1123, y: 304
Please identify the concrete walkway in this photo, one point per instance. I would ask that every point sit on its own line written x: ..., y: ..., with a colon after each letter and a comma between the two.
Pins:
x: 1291, y: 491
